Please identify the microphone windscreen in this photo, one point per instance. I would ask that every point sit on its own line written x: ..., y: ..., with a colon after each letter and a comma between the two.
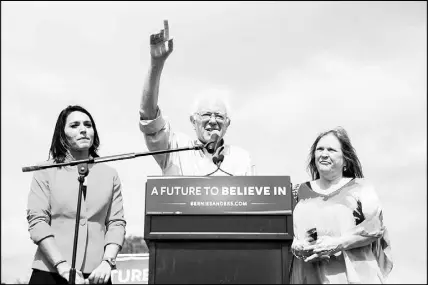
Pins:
x: 215, y: 136
x: 212, y: 142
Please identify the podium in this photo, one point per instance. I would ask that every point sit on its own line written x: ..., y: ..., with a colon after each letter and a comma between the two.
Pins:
x: 219, y: 229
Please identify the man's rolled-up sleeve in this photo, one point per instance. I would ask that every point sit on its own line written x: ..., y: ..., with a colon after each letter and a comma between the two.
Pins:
x: 115, y: 220
x: 150, y: 127
x: 39, y: 208
x: 157, y: 133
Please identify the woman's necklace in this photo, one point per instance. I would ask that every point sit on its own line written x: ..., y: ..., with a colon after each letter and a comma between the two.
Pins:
x: 331, y: 188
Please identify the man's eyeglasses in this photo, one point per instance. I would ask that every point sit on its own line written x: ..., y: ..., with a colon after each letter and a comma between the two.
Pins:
x: 207, y: 115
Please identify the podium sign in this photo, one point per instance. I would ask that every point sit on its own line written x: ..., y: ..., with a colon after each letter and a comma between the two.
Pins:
x: 218, y: 195
x: 219, y: 229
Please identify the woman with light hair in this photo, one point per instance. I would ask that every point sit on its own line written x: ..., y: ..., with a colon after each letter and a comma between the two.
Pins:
x: 339, y: 234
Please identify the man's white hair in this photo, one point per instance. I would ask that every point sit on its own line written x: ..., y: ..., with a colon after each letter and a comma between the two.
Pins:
x: 211, y: 95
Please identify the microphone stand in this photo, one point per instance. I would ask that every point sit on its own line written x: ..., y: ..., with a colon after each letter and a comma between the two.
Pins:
x: 83, y: 172
x: 110, y: 158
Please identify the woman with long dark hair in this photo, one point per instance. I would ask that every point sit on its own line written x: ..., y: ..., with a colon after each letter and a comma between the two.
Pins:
x: 52, y: 203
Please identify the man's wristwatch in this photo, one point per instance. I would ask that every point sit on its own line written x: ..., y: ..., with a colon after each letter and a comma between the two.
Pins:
x: 111, y: 262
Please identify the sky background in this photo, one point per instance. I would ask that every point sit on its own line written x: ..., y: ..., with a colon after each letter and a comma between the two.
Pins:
x: 291, y: 69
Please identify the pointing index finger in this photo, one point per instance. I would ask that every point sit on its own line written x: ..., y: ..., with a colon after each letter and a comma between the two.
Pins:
x: 166, y: 29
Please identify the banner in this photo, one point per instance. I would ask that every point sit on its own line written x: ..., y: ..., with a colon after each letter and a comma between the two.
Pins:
x: 218, y: 195
x: 131, y: 269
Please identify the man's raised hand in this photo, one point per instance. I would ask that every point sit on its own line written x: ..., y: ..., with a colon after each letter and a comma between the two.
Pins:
x: 161, y: 45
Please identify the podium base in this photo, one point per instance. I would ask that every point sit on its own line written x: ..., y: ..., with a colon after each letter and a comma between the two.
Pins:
x: 219, y: 262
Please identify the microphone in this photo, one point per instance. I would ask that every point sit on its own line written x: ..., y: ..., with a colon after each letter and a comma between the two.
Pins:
x: 218, y: 157
x: 218, y: 160
x: 212, y: 144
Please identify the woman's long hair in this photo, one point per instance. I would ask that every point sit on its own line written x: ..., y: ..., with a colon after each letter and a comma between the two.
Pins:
x: 352, y: 163
x: 60, y: 146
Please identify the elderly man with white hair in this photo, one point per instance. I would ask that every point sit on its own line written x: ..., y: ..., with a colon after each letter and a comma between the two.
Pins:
x: 209, y: 118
